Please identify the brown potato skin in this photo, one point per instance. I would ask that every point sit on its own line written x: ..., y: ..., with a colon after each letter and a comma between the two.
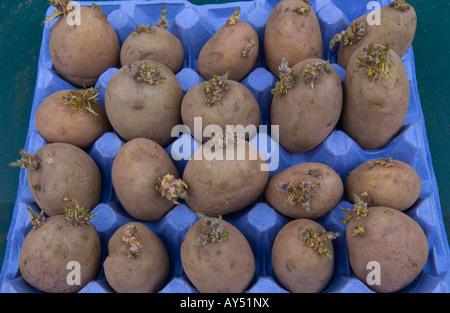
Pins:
x: 58, y: 122
x: 396, y: 187
x: 328, y: 194
x: 293, y: 36
x: 145, y: 273
x: 47, y: 250
x: 237, y: 107
x: 65, y: 171
x: 221, y: 267
x: 397, y: 28
x: 306, y: 116
x: 374, y: 112
x: 81, y: 53
x: 138, y: 109
x: 160, y: 45
x: 297, y: 267
x: 218, y: 187
x: 223, y: 52
x: 392, y: 239
x: 136, y: 167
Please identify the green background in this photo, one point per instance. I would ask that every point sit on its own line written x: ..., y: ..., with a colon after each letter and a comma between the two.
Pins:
x: 20, y: 40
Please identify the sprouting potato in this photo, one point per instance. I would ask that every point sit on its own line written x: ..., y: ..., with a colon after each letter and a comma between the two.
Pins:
x: 61, y: 170
x: 292, y: 32
x: 216, y: 256
x: 148, y: 42
x: 72, y: 116
x: 58, y: 244
x: 81, y: 53
x: 389, y: 237
x: 232, y: 49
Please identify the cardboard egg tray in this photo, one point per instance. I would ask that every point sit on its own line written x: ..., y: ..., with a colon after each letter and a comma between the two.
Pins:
x: 194, y: 25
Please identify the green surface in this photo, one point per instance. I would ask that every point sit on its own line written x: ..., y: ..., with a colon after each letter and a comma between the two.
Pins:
x: 20, y: 39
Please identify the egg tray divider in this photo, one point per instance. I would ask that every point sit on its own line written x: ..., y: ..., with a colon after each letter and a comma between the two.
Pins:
x: 194, y: 25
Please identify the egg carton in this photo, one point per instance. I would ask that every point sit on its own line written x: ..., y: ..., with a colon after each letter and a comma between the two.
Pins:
x: 194, y: 25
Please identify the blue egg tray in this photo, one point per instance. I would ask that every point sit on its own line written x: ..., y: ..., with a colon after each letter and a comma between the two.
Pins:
x: 194, y: 25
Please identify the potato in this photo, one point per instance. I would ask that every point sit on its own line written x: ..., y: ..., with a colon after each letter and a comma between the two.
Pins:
x: 307, y: 104
x: 216, y: 257
x: 58, y: 171
x: 303, y: 256
x: 62, y: 253
x: 137, y: 262
x: 235, y: 106
x: 376, y: 96
x: 72, y: 116
x: 306, y: 190
x: 397, y: 26
x: 145, y: 180
x: 153, y: 43
x: 391, y: 183
x: 292, y: 32
x: 233, y: 48
x: 387, y: 248
x: 139, y: 97
x: 226, y: 180
x: 81, y: 53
